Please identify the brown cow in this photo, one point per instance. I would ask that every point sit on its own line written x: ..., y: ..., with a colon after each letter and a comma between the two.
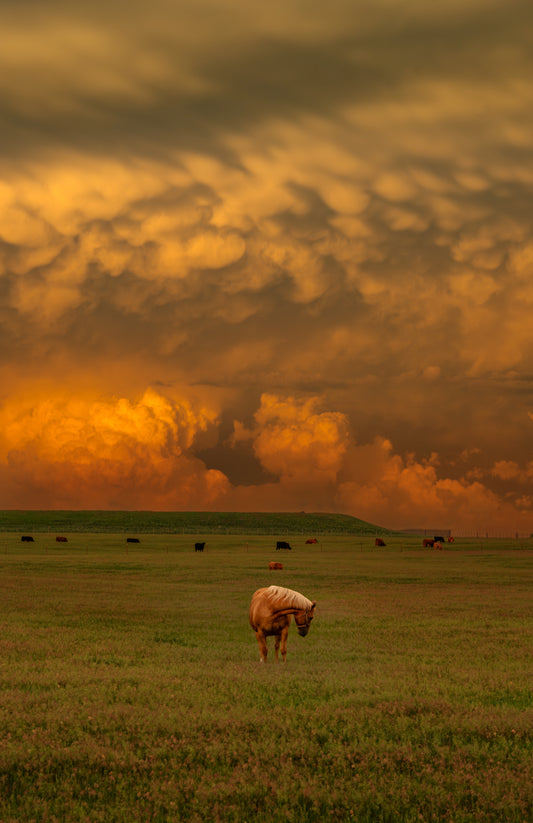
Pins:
x: 61, y: 540
x: 428, y: 542
x: 451, y: 540
x: 274, y: 565
x: 437, y: 545
x: 312, y: 540
x: 380, y: 542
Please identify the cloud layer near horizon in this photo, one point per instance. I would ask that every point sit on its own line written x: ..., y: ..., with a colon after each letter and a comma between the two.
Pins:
x: 293, y: 244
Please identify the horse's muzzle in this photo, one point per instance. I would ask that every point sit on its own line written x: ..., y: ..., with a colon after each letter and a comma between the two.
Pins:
x: 303, y: 630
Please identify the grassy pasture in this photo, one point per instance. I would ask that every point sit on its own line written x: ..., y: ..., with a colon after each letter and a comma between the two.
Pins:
x: 186, y: 522
x: 130, y: 686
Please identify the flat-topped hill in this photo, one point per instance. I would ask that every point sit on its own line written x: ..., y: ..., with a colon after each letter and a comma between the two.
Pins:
x: 186, y: 522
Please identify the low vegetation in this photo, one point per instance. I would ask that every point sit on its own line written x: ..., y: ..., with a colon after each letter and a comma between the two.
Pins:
x: 131, y: 687
x: 186, y: 522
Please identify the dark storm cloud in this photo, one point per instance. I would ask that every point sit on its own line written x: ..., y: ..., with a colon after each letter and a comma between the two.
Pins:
x: 306, y: 224
x: 115, y: 79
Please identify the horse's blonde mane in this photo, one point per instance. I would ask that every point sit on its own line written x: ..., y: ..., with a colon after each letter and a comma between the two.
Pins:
x: 292, y: 599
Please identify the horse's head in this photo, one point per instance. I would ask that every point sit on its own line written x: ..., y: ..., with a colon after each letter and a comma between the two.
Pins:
x: 303, y: 619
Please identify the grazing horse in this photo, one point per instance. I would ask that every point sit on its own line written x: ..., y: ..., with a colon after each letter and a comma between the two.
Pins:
x: 271, y: 611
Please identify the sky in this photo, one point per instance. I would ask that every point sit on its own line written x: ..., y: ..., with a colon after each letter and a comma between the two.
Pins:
x: 268, y: 257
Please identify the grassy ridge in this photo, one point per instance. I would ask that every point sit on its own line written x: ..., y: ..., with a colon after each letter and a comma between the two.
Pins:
x: 131, y: 688
x: 186, y: 522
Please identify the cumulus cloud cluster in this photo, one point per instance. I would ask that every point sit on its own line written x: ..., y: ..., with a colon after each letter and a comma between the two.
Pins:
x: 105, y: 453
x: 116, y: 453
x: 315, y: 457
x: 277, y: 203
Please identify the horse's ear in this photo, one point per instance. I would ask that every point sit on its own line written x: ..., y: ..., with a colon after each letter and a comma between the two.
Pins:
x: 313, y: 605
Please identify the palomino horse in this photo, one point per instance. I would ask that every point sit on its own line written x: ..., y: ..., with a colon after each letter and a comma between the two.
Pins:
x: 271, y: 611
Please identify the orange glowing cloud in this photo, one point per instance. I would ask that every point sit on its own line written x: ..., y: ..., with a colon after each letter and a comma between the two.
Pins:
x: 320, y: 467
x: 296, y: 442
x: 106, y: 453
x: 411, y: 491
x: 302, y: 446
x: 61, y: 452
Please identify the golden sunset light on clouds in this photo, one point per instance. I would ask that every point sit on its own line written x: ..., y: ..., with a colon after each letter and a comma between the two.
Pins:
x: 268, y: 257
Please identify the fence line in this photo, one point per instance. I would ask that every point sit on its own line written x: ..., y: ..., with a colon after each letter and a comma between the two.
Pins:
x: 488, y: 535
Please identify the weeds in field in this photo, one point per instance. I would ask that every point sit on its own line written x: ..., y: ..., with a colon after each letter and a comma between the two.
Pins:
x: 131, y: 691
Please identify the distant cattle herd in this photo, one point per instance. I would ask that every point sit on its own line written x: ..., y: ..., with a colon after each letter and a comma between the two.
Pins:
x: 435, y: 542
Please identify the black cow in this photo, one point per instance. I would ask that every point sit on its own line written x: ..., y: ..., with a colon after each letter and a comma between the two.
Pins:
x: 199, y: 547
x: 132, y: 540
x: 27, y: 538
x: 282, y: 544
x: 438, y: 539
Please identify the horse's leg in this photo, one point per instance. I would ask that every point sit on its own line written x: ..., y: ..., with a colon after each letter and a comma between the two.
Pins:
x: 263, y: 648
x: 284, y: 635
x: 277, y: 641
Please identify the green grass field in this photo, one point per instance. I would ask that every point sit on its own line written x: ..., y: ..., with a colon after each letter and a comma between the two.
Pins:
x: 131, y: 689
x: 279, y: 523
